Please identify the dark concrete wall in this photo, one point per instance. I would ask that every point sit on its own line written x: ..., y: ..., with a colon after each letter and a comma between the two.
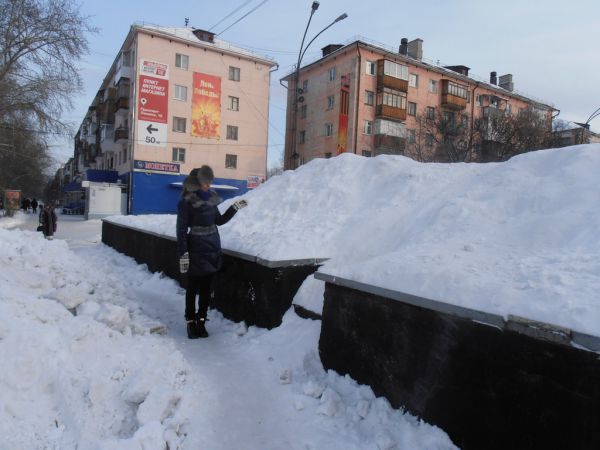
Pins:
x: 488, y: 388
x: 243, y: 289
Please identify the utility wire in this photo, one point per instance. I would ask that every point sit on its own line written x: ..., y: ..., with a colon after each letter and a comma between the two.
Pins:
x: 245, y: 15
x: 230, y: 14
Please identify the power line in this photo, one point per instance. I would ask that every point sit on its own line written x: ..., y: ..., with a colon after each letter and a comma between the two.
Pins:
x: 245, y: 15
x: 230, y: 14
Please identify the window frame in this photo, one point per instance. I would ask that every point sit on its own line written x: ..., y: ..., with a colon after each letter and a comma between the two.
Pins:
x: 415, y: 77
x: 330, y: 101
x: 430, y: 111
x: 328, y: 129
x: 433, y: 86
x: 235, y: 73
x: 180, y: 87
x: 182, y: 57
x: 179, y: 120
x: 331, y: 74
x: 232, y: 132
x: 368, y: 127
x: 411, y: 109
x: 369, y: 98
x: 178, y: 154
x: 234, y: 103
x: 229, y: 157
x: 371, y: 68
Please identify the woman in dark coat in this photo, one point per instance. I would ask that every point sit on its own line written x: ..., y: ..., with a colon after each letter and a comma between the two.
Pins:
x: 48, y: 221
x: 199, y: 244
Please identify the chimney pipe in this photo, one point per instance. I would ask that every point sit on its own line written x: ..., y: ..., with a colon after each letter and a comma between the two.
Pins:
x: 403, y: 50
x: 493, y: 78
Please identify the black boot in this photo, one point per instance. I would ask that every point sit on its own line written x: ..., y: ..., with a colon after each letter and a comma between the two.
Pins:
x: 200, y: 328
x: 192, y: 329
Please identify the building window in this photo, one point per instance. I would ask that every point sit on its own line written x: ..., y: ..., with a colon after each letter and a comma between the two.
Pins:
x: 180, y: 92
x: 182, y: 61
x: 328, y: 129
x: 368, y: 127
x: 395, y: 70
x: 302, y: 137
x: 178, y: 154
x: 413, y: 80
x: 367, y: 153
x: 234, y: 103
x: 448, y: 117
x: 305, y: 86
x: 411, y: 135
x: 330, y: 101
x: 412, y: 109
x: 327, y: 155
x: 370, y: 68
x: 231, y: 161
x: 179, y: 124
x: 234, y: 73
x: 456, y: 90
x: 429, y: 140
x: 370, y: 98
x: 331, y: 74
x: 126, y: 58
x: 430, y: 112
x: 232, y: 132
x: 433, y: 86
x: 303, y: 111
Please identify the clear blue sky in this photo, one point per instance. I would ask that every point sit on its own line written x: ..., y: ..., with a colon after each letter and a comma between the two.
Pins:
x: 550, y: 47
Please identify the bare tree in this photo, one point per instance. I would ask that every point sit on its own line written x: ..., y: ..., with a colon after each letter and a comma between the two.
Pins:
x: 445, y: 137
x: 41, y: 42
x: 505, y: 135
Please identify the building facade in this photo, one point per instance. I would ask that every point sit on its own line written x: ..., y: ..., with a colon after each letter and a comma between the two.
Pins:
x: 364, y: 99
x: 175, y: 99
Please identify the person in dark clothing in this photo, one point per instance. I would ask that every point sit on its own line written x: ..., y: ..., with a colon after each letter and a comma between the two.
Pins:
x: 199, y: 244
x: 34, y: 205
x: 48, y: 221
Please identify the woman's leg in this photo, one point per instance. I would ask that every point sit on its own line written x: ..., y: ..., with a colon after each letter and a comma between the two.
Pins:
x: 190, y: 297
x: 204, y: 291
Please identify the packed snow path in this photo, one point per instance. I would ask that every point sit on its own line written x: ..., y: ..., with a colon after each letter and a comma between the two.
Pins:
x: 239, y: 389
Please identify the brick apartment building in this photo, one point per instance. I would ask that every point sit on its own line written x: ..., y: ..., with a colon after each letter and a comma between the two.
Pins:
x: 364, y: 99
x: 174, y: 99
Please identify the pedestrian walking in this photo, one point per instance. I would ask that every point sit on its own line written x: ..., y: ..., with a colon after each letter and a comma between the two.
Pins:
x: 199, y: 243
x: 48, y: 221
x: 34, y: 205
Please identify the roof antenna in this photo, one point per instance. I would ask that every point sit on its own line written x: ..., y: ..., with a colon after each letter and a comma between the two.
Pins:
x: 187, y: 20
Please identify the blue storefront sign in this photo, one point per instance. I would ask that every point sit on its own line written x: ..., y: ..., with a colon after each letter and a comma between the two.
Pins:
x: 153, y: 166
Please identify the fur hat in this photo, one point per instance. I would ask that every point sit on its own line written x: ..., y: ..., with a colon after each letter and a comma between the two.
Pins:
x: 204, y: 174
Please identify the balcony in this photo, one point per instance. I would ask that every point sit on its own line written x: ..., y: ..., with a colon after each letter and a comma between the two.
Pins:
x: 121, y: 134
x: 389, y: 145
x: 454, y: 96
x: 122, y: 105
x: 385, y: 70
x: 390, y: 112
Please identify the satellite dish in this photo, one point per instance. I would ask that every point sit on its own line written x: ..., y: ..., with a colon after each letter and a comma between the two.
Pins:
x: 300, y: 91
x: 300, y: 99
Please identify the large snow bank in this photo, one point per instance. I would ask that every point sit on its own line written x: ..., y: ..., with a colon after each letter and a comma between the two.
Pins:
x: 519, y: 237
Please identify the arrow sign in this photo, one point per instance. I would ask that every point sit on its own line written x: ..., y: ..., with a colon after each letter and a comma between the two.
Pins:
x: 151, y: 129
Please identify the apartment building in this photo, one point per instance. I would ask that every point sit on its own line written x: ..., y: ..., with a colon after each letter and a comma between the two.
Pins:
x: 175, y: 99
x: 365, y: 99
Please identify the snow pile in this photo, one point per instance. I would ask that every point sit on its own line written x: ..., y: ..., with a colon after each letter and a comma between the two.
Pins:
x: 518, y: 237
x: 94, y: 356
x: 81, y: 365
x: 18, y: 218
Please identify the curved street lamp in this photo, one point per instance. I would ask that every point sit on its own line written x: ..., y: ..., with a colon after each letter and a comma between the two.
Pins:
x: 297, y: 90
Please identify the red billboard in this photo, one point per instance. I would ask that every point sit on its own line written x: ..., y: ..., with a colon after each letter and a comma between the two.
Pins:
x: 206, y: 106
x: 153, y: 98
x: 343, y: 119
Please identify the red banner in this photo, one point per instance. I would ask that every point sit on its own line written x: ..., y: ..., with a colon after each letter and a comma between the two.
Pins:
x: 153, y: 98
x: 344, y: 107
x: 206, y: 106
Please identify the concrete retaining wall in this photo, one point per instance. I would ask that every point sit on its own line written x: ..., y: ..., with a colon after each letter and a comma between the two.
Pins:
x: 248, y: 288
x: 488, y: 383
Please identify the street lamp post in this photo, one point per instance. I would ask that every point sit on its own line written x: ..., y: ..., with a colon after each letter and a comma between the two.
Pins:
x: 586, y: 125
x: 297, y: 90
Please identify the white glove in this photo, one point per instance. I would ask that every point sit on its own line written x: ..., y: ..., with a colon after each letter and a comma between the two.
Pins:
x: 240, y: 204
x: 184, y: 263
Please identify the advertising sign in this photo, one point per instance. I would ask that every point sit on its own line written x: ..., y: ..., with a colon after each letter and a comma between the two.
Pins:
x: 153, y: 166
x: 253, y: 181
x: 12, y: 200
x: 153, y: 103
x: 343, y: 120
x: 206, y: 106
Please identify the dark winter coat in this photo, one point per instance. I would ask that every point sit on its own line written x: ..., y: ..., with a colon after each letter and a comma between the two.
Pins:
x: 197, y: 234
x: 48, y: 221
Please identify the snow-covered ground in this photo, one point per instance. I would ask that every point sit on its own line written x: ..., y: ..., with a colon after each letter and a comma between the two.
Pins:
x: 519, y: 237
x: 94, y: 356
